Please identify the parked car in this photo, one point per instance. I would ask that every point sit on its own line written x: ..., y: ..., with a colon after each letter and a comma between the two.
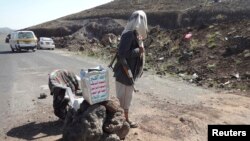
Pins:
x: 46, y: 43
x: 26, y: 40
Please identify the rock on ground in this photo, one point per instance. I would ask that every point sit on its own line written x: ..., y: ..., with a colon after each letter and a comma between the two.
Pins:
x: 99, y: 122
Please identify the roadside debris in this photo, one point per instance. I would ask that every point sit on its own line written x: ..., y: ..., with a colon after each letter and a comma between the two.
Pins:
x: 99, y: 122
x: 42, y: 96
x: 188, y: 36
x: 160, y: 59
x: 236, y: 75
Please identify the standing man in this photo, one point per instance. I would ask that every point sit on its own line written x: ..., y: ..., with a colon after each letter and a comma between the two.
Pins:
x: 130, y: 60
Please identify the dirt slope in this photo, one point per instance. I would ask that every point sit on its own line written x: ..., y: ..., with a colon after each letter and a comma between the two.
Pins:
x: 217, y: 55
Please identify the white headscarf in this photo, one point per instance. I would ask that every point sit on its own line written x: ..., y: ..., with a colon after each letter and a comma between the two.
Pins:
x: 138, y: 22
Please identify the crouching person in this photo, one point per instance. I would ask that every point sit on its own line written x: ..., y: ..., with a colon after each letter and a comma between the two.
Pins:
x: 58, y: 81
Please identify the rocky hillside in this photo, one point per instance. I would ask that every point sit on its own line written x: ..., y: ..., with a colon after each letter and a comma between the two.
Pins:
x: 217, y: 54
x: 169, y: 14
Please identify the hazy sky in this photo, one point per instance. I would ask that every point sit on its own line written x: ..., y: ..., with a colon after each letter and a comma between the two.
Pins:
x: 17, y: 14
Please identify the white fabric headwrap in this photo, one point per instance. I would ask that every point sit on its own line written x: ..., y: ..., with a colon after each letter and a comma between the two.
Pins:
x: 138, y: 22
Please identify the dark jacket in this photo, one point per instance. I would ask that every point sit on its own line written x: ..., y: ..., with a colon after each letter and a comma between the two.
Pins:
x: 129, y: 50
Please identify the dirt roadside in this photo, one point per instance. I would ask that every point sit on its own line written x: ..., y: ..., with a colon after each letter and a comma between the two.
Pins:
x: 166, y: 109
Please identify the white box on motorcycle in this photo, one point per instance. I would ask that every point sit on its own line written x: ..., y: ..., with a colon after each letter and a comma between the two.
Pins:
x: 95, y: 85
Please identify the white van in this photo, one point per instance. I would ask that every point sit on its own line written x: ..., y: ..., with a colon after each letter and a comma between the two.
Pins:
x: 26, y: 40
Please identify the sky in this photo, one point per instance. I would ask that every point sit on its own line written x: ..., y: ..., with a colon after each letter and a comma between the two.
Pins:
x: 18, y: 14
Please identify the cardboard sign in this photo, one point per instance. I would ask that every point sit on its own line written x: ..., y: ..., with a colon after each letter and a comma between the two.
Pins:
x: 98, y: 87
x: 95, y: 86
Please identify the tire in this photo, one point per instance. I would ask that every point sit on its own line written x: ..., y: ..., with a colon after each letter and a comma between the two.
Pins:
x: 60, y: 104
x: 18, y: 49
x: 34, y: 50
x: 12, y: 49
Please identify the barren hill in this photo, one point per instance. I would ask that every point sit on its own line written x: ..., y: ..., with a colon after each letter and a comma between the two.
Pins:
x: 168, y: 14
x: 217, y: 55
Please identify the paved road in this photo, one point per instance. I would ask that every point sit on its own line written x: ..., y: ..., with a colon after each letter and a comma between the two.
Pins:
x: 23, y: 76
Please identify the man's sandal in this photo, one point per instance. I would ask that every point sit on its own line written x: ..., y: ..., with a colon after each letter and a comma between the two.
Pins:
x: 133, y: 124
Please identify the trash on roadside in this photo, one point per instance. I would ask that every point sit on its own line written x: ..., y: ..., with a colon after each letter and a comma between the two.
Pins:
x: 42, y: 96
x: 236, y: 75
x: 188, y: 36
x: 226, y: 83
x: 195, y: 76
x: 160, y: 59
x: 182, y: 75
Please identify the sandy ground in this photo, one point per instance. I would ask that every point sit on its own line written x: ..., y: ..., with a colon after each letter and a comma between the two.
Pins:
x: 169, y: 120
